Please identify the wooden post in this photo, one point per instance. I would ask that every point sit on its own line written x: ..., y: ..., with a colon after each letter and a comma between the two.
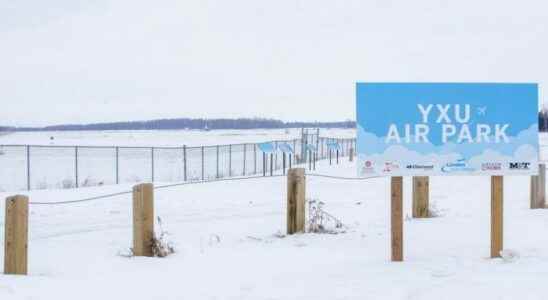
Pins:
x: 538, y: 188
x: 496, y: 215
x: 396, y: 214
x: 16, y: 235
x: 143, y: 219
x: 295, y: 200
x: 420, y: 196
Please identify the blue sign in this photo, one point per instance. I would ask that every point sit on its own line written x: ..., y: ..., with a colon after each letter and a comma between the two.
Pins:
x: 333, y: 145
x: 447, y: 128
x: 285, y: 147
x: 266, y: 147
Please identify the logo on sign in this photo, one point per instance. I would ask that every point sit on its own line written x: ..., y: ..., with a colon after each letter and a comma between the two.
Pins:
x: 390, y: 166
x: 519, y: 165
x: 368, y: 167
x: 460, y: 165
x: 491, y: 166
x: 420, y: 167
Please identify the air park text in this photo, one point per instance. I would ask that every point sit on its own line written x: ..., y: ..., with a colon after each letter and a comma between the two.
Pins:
x: 453, y: 119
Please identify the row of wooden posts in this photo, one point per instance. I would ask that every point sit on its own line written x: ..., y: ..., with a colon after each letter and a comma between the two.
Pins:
x: 420, y: 208
x: 17, y: 207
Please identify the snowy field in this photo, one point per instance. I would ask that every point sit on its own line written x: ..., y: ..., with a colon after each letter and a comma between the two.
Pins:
x: 161, y: 138
x: 229, y: 246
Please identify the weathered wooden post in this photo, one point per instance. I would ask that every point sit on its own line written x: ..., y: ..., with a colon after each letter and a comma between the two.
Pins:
x: 396, y: 207
x: 296, y: 182
x: 538, y: 188
x: 143, y: 219
x: 496, y: 215
x: 16, y: 235
x: 420, y: 196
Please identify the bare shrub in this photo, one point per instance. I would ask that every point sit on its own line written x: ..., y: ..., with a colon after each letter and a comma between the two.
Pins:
x: 67, y: 184
x: 434, y: 211
x: 161, y: 247
x: 320, y: 221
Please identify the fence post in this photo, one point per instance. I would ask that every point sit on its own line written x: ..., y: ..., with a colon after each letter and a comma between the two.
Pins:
x: 276, y: 154
x: 28, y: 167
x: 264, y: 164
x: 16, y: 235
x: 290, y: 160
x: 217, y: 162
x: 309, y: 160
x: 243, y: 174
x: 143, y: 219
x: 184, y: 162
x: 337, y: 156
x: 117, y: 165
x: 351, y: 156
x: 295, y: 151
x: 396, y: 216
x: 271, y: 164
x: 76, y: 165
x: 420, y: 196
x: 203, y: 163
x: 255, y: 158
x: 152, y: 163
x: 296, y: 182
x: 496, y: 215
x: 283, y: 162
x: 229, y: 160
x: 538, y: 188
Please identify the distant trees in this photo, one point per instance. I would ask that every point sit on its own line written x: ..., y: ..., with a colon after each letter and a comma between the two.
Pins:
x: 187, y: 123
x: 543, y: 120
x: 241, y: 123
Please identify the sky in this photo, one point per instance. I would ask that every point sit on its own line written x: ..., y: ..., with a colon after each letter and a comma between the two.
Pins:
x: 73, y: 61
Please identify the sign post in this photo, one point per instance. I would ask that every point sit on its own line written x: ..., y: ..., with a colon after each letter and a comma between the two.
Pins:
x: 447, y: 129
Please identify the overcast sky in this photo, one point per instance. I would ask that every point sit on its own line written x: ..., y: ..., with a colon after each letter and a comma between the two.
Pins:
x: 73, y: 61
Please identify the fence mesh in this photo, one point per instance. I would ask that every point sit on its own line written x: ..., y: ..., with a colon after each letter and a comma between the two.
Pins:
x: 25, y: 167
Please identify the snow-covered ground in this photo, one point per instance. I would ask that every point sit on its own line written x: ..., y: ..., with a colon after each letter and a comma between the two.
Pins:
x: 161, y: 138
x: 228, y: 244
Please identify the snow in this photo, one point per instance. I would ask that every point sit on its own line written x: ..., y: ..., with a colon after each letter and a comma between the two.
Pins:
x: 161, y: 138
x: 228, y: 245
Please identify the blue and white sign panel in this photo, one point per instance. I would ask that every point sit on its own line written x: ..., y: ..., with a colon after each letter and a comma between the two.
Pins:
x: 447, y: 129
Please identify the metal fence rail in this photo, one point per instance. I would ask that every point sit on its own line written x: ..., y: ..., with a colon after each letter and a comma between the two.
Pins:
x: 27, y: 167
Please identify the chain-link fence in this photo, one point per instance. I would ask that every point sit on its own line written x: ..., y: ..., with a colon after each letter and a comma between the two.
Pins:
x: 25, y: 167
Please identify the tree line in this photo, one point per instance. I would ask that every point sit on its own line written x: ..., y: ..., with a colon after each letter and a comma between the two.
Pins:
x: 188, y: 123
